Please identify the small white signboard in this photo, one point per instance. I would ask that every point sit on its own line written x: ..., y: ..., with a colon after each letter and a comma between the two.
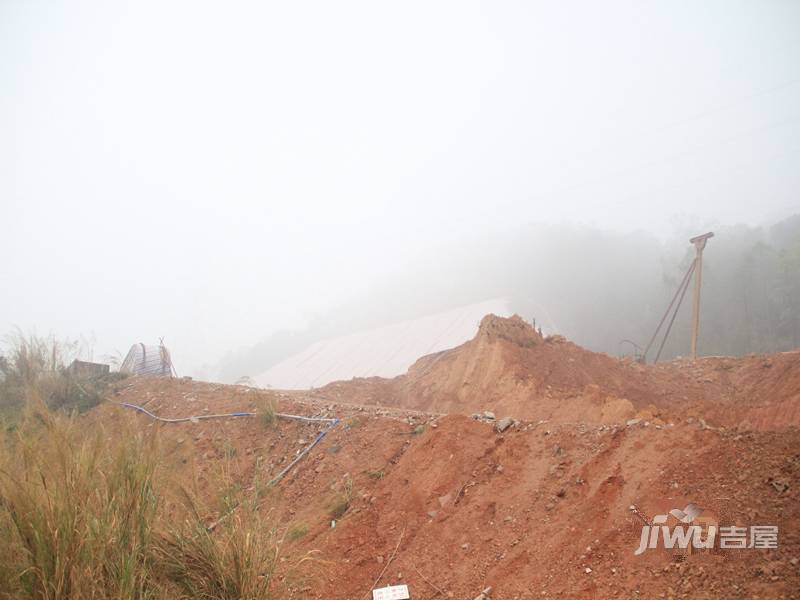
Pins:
x: 393, y: 592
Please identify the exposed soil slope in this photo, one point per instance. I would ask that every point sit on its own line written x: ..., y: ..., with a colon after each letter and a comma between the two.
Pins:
x: 511, y: 370
x: 541, y: 510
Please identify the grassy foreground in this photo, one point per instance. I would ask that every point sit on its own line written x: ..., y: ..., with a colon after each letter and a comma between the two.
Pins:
x: 82, y: 515
x: 83, y: 511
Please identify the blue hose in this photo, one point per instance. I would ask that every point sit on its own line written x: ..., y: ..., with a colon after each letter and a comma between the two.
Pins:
x: 333, y: 422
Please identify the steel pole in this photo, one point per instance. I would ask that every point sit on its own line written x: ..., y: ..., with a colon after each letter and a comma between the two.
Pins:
x: 699, y: 245
x: 698, y: 280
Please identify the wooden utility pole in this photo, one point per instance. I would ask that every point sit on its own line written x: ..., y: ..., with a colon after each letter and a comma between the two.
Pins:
x: 699, y: 245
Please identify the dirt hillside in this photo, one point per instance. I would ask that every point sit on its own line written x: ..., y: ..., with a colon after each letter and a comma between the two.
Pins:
x: 509, y: 369
x: 451, y: 506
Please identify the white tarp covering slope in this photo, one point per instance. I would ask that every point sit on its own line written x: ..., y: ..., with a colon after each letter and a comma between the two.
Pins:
x: 385, y: 351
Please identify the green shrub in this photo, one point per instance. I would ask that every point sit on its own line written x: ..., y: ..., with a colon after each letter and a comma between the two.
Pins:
x: 296, y: 532
x: 36, y: 366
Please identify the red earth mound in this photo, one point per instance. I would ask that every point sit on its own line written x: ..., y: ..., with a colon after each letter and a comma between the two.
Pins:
x: 510, y: 370
x: 540, y: 507
x: 449, y: 506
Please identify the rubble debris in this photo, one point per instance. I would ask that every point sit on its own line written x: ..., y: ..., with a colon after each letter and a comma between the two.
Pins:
x: 485, y: 594
x: 779, y: 485
x: 503, y: 424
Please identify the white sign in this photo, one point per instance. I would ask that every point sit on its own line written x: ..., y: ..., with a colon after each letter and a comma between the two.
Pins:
x: 393, y: 592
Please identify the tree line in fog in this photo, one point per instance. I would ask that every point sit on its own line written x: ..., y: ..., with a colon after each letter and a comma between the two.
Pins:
x: 604, y: 290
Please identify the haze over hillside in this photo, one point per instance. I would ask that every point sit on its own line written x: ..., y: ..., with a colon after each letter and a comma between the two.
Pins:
x: 598, y: 288
x: 275, y: 175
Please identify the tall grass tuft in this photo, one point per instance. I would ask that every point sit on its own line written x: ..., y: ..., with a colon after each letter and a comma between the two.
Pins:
x: 236, y: 560
x: 77, y: 512
x: 266, y: 409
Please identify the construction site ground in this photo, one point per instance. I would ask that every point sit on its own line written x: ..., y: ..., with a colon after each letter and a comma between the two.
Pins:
x: 440, y: 500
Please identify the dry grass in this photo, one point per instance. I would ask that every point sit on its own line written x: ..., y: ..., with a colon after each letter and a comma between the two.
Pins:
x: 83, y: 512
x: 76, y: 511
x: 341, y: 502
x: 82, y: 516
x: 266, y: 408
x: 236, y: 560
x: 296, y: 532
x: 39, y: 365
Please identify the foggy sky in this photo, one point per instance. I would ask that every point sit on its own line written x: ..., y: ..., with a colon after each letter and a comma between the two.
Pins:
x: 212, y: 172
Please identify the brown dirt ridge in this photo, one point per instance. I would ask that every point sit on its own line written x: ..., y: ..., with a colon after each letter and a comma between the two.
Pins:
x: 450, y: 505
x: 511, y: 370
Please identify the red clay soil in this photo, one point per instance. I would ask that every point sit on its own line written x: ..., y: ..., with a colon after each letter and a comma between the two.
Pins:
x: 449, y: 506
x: 511, y: 370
